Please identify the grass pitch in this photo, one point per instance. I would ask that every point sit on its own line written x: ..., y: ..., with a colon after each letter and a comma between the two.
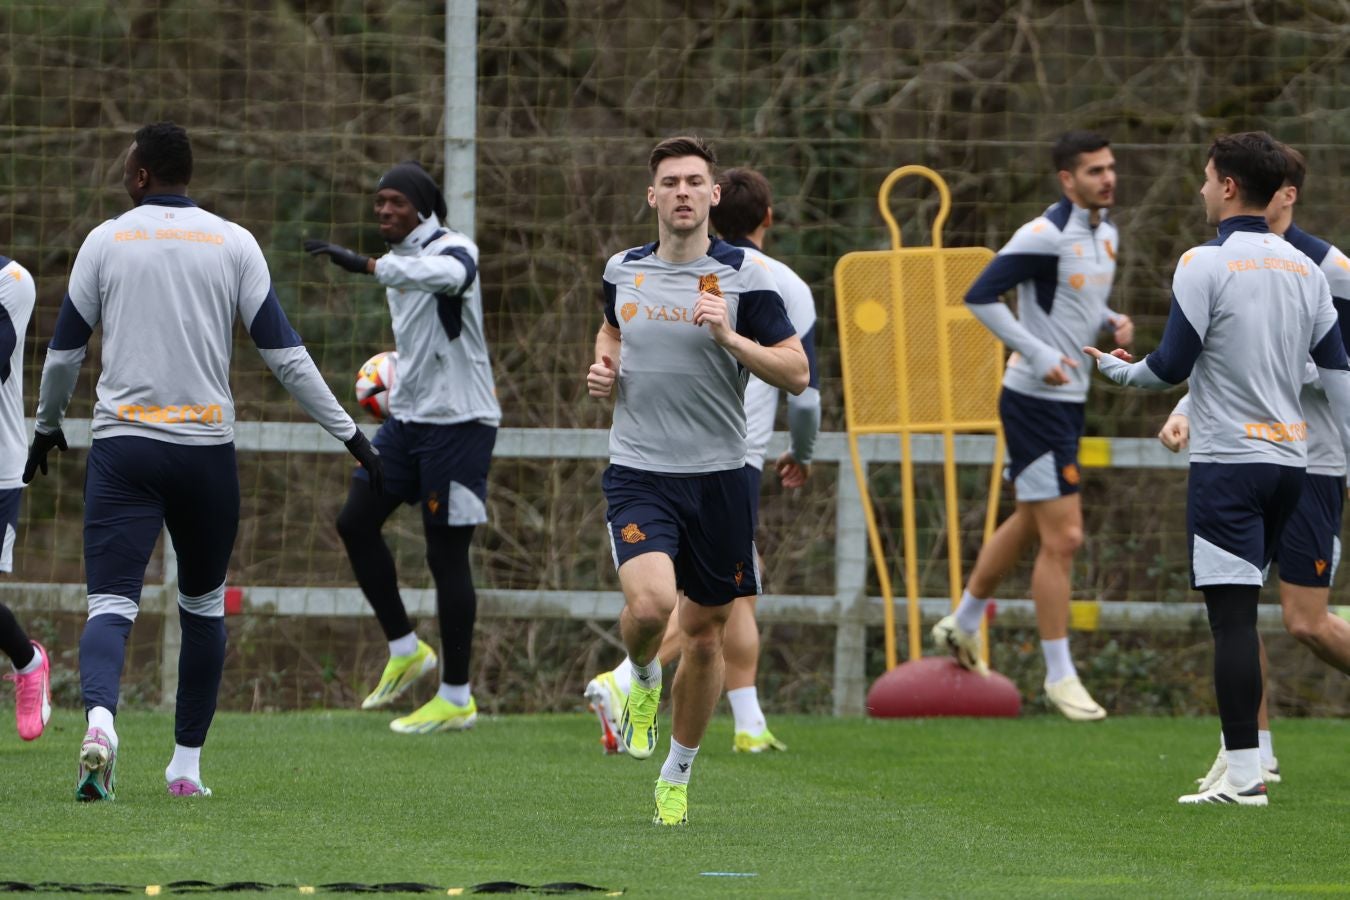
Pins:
x: 1032, y: 807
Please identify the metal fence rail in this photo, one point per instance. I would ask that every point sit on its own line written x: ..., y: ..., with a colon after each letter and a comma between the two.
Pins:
x: 849, y: 610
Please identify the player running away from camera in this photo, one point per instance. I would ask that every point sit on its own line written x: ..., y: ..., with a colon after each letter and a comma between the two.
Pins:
x: 1062, y: 264
x: 165, y: 280
x: 32, y: 668
x: 436, y: 445
x: 1247, y: 310
x: 686, y: 319
x: 1309, y: 548
x: 742, y: 217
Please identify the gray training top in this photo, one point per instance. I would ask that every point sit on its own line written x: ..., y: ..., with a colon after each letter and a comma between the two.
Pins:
x: 680, y: 405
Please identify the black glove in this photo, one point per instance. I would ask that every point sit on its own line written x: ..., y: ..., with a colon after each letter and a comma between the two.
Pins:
x: 37, y: 452
x: 341, y: 256
x: 358, y: 445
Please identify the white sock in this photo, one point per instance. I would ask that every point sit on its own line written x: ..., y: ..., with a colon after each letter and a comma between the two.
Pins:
x: 678, y: 763
x: 623, y: 675
x: 1222, y: 745
x: 745, y: 708
x: 1267, y: 748
x: 33, y: 664
x: 102, y: 718
x: 457, y: 694
x: 1244, y: 767
x: 404, y: 646
x: 649, y: 676
x: 970, y: 613
x: 186, y: 763
x: 1058, y: 663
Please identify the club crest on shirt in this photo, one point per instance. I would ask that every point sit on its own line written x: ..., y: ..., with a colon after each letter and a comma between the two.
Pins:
x: 628, y: 310
x: 637, y: 279
x: 708, y: 284
x: 631, y: 534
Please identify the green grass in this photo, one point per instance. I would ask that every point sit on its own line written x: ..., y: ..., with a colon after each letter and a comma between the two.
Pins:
x: 1032, y: 807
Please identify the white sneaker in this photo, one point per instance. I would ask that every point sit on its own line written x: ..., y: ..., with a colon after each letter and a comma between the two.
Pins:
x: 606, y: 701
x: 1220, y: 768
x: 1253, y: 794
x: 1073, y: 700
x: 950, y: 638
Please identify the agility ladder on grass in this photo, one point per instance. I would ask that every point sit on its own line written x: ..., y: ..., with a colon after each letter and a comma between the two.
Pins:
x: 915, y: 361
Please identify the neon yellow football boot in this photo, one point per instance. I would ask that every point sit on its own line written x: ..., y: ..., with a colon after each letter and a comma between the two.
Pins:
x: 399, y: 674
x: 438, y: 714
x: 638, y: 725
x: 745, y: 742
x: 672, y: 803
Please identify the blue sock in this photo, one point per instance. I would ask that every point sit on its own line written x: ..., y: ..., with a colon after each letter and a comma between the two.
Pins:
x: 200, y: 664
x: 103, y: 649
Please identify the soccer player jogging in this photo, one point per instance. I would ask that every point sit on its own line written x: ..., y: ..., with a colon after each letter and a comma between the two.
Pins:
x: 32, y: 667
x: 1247, y: 310
x: 686, y: 318
x: 1310, y: 545
x: 1062, y: 264
x: 166, y: 280
x: 436, y: 445
x: 742, y: 217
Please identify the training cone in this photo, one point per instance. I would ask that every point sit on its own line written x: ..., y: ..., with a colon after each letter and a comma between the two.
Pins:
x: 940, y: 686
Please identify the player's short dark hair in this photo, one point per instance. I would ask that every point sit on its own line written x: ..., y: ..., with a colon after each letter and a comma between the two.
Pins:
x: 1296, y: 167
x: 685, y: 145
x: 1255, y: 162
x: 163, y: 150
x: 1073, y: 144
x: 746, y: 198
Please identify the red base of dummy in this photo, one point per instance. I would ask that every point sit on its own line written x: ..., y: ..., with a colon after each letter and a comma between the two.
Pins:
x: 940, y: 686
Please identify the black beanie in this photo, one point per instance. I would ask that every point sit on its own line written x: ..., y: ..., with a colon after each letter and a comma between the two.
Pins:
x: 413, y: 182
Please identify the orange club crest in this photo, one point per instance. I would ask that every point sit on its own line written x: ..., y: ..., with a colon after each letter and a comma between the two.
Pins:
x: 631, y: 534
x: 628, y: 310
x: 708, y: 284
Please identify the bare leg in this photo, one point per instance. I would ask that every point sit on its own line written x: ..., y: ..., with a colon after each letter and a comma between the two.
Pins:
x: 1003, y: 550
x: 1059, y: 523
x: 1263, y: 712
x: 741, y: 645
x: 1307, y: 618
x: 698, y: 683
x: 648, y: 583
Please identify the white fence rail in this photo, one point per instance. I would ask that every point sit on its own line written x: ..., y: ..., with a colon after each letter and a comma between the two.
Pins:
x: 849, y: 610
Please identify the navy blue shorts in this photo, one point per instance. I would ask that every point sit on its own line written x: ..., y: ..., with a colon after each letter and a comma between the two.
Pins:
x: 753, y: 480
x: 133, y: 488
x: 702, y: 522
x: 9, y: 526
x: 441, y: 468
x: 1235, y: 514
x: 1310, y: 547
x: 1042, y: 438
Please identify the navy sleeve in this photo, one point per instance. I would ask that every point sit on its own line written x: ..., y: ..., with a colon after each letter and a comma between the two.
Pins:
x: 1330, y: 350
x: 611, y: 297
x: 1343, y: 317
x: 8, y: 341
x: 450, y: 310
x: 270, y: 329
x: 1179, y: 349
x: 1008, y: 270
x: 466, y: 260
x: 761, y: 316
x: 809, y: 345
x: 72, y: 331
